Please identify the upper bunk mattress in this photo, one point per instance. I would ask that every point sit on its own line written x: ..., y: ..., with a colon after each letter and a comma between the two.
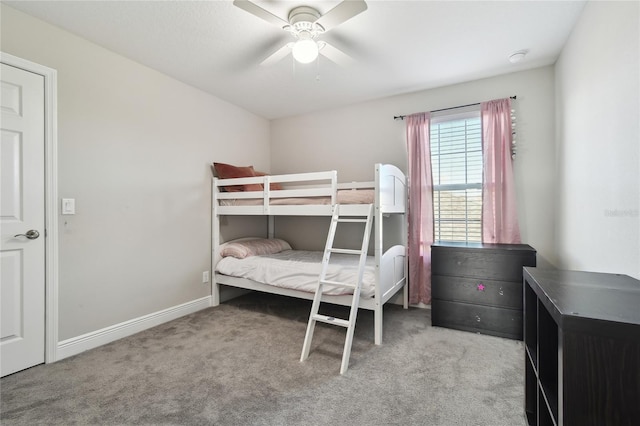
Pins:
x: 344, y: 196
x: 300, y: 269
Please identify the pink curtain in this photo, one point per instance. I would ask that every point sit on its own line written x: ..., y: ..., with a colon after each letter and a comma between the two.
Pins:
x: 420, y: 208
x: 499, y: 213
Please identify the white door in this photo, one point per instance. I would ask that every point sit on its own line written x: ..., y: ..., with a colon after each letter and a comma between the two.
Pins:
x: 22, y: 219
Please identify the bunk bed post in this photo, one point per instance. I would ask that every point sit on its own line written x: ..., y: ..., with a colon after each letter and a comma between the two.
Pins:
x: 334, y: 187
x: 378, y: 296
x: 271, y: 231
x: 215, y: 242
x: 377, y: 316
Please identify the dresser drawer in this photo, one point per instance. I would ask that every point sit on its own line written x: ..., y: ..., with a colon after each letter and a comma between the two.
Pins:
x: 477, y: 291
x: 490, y: 320
x: 502, y: 265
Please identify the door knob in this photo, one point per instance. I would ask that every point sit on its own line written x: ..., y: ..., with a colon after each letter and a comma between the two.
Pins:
x: 31, y: 234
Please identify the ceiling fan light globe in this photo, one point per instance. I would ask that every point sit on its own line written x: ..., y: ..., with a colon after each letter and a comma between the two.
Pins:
x: 305, y: 51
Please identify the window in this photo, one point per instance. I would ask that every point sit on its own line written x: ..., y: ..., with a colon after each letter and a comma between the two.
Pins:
x: 456, y: 162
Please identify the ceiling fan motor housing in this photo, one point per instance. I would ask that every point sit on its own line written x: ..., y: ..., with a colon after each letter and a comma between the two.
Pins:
x: 302, y: 20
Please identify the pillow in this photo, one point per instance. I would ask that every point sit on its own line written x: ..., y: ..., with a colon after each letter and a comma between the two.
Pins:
x: 255, y: 247
x: 227, y: 171
x: 272, y: 186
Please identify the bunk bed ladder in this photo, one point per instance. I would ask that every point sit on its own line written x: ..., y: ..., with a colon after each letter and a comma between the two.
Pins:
x: 350, y: 323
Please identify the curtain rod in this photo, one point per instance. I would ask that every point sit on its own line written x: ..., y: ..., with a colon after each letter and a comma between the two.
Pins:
x: 401, y: 117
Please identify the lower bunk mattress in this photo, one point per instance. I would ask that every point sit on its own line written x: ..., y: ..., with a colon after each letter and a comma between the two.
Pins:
x: 300, y: 269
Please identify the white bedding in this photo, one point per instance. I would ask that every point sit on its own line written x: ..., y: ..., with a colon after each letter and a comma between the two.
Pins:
x: 300, y: 269
x: 344, y: 196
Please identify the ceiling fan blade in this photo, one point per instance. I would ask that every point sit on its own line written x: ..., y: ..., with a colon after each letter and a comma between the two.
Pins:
x: 261, y: 13
x: 336, y: 55
x: 342, y: 12
x: 277, y: 56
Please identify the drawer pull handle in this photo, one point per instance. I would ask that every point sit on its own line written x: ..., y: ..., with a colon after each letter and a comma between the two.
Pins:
x: 481, y: 287
x: 477, y: 318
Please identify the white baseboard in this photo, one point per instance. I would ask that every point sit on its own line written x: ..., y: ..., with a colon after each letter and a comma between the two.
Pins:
x: 82, y: 343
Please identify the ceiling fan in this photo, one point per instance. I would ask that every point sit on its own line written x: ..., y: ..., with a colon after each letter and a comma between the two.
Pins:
x: 305, y: 24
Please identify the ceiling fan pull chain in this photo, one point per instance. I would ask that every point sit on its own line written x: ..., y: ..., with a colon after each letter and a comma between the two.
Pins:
x: 293, y: 67
x: 318, y: 68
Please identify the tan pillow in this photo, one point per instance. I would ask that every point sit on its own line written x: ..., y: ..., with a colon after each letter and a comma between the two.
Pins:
x: 272, y: 186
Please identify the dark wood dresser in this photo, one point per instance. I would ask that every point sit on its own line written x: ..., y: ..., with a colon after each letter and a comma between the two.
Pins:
x: 582, y: 348
x: 478, y: 287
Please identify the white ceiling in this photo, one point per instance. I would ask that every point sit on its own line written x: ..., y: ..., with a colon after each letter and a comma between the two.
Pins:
x: 398, y: 46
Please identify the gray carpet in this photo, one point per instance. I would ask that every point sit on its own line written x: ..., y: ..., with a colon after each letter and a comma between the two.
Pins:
x: 238, y: 364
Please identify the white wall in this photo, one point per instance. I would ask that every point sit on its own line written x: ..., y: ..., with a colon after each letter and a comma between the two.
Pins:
x: 598, y: 96
x: 352, y: 139
x: 134, y: 151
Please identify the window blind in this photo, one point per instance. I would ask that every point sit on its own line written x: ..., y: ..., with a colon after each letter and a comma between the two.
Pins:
x: 456, y: 160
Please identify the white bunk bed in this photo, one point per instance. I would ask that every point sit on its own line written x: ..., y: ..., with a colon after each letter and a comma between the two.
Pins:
x: 315, y: 194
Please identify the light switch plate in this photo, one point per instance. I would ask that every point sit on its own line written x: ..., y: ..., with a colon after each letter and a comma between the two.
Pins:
x: 68, y: 206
